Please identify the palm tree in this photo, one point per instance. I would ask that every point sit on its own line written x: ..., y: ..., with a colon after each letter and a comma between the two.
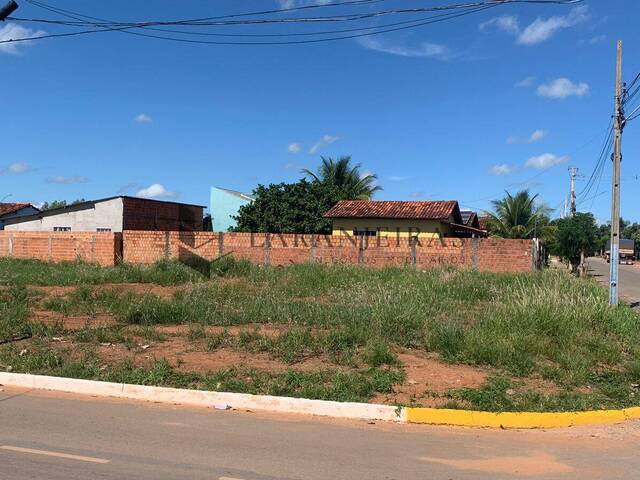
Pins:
x: 517, y: 216
x: 340, y: 173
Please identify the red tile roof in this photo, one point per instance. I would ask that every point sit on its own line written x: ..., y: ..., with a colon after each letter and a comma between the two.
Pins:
x: 7, y: 208
x: 424, y: 210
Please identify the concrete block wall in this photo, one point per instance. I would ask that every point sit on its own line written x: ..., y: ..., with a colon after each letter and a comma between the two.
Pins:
x: 93, y: 247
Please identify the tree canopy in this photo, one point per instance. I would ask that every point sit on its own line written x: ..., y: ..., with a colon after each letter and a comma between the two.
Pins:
x: 59, y: 204
x: 300, y: 207
x: 288, y: 208
x: 576, y: 235
x: 517, y: 216
x: 347, y: 178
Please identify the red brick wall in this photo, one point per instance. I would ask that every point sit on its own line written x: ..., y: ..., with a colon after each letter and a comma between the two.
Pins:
x: 101, y: 248
x: 142, y: 214
x: 494, y: 255
x: 487, y: 254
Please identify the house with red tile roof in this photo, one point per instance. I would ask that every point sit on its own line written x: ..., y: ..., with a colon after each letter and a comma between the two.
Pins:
x: 14, y: 210
x: 424, y: 219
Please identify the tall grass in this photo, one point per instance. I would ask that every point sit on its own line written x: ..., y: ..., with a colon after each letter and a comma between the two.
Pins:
x: 546, y: 324
x: 34, y: 272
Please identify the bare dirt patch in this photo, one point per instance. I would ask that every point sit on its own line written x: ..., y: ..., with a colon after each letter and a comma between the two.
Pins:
x: 426, y: 374
x: 267, y: 329
x: 74, y: 322
x: 188, y: 356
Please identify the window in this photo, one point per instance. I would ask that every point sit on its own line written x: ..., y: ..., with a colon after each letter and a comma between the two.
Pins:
x: 363, y: 232
x: 103, y: 230
x: 61, y: 229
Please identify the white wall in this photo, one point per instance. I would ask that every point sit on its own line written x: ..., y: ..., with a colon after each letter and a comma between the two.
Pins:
x: 107, y: 214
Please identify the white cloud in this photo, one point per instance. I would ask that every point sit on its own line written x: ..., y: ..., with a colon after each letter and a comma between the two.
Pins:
x: 143, y: 118
x: 422, y: 49
x: 545, y: 160
x: 505, y: 23
x: 399, y: 178
x: 16, y: 168
x: 537, y: 136
x: 533, y: 138
x: 597, y: 39
x: 541, y: 30
x: 502, y: 169
x: 154, y: 191
x: 525, y: 82
x: 61, y: 180
x: 323, y: 142
x: 562, y: 88
x: 294, y: 148
x: 12, y: 31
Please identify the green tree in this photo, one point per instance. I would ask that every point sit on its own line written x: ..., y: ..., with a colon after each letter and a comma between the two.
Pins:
x: 60, y: 204
x: 341, y: 174
x: 289, y: 208
x: 576, y: 235
x: 518, y: 216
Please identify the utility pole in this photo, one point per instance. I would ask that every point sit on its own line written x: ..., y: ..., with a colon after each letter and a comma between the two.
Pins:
x: 10, y: 7
x: 618, y: 123
x: 573, y: 172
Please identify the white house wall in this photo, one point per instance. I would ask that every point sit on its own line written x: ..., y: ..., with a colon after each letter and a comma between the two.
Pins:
x: 107, y: 214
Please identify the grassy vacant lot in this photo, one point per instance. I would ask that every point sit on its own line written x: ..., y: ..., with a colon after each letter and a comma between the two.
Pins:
x: 457, y: 339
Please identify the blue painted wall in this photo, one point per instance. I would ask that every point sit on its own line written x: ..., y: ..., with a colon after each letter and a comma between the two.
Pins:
x: 224, y: 205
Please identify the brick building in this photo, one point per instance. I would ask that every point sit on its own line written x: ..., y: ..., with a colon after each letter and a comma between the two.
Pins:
x: 113, y: 214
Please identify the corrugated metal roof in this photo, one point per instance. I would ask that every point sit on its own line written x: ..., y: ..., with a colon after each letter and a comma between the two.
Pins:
x: 425, y: 210
x: 7, y: 208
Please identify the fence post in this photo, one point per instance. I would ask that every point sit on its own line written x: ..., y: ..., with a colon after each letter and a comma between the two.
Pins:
x: 166, y: 244
x: 314, y: 247
x: 361, y: 250
x: 93, y: 248
x: 534, y: 254
x: 413, y: 241
x: 220, y: 244
x: 474, y: 253
x: 267, y: 249
x: 50, y: 249
x: 11, y: 245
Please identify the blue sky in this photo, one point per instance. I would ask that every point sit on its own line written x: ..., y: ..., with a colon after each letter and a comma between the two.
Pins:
x: 499, y: 100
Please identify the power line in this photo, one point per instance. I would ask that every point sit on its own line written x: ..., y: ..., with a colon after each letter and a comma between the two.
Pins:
x: 70, y: 14
x: 107, y: 26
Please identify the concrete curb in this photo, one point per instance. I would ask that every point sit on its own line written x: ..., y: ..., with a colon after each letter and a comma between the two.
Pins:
x: 362, y: 411
x: 518, y: 420
x: 356, y: 411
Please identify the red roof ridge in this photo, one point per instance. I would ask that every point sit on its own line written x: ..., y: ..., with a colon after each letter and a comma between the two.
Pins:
x: 416, y: 209
x: 7, y: 208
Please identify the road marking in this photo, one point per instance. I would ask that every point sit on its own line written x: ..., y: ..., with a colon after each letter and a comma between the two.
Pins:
x: 229, y: 478
x: 54, y: 454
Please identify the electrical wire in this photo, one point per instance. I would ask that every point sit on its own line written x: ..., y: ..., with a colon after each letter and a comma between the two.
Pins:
x: 100, y: 25
x: 291, y: 42
x: 70, y: 14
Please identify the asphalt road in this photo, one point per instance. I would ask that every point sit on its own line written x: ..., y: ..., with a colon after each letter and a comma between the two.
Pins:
x: 629, y: 281
x: 64, y: 437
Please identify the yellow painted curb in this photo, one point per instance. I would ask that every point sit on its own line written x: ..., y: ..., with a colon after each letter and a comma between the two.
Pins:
x: 469, y: 418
